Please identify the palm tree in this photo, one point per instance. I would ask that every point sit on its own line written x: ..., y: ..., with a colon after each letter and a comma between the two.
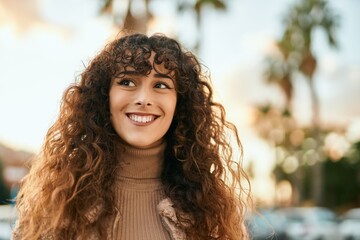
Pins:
x: 124, y: 16
x: 297, y: 56
x: 198, y: 7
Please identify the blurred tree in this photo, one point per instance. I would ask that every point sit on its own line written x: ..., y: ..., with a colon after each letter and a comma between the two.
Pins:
x: 342, y: 179
x: 296, y: 55
x: 135, y: 15
x: 198, y: 6
x: 4, y: 190
x: 344, y: 192
x: 128, y: 14
x: 293, y: 146
x: 295, y: 158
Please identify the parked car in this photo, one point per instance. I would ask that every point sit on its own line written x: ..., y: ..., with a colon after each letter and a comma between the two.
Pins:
x: 266, y: 224
x: 310, y: 223
x: 350, y: 225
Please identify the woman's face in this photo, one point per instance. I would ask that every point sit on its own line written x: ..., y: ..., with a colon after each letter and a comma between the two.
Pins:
x: 142, y: 107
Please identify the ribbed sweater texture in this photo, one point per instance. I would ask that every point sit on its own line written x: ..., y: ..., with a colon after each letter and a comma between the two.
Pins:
x: 138, y: 191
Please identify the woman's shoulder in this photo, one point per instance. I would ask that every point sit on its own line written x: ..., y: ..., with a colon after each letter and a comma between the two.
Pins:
x: 168, y: 217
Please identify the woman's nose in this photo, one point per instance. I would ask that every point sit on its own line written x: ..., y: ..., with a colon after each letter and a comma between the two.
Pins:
x: 143, y: 97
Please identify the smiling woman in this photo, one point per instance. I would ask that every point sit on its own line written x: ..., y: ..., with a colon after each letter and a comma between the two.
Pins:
x: 142, y: 106
x: 139, y: 151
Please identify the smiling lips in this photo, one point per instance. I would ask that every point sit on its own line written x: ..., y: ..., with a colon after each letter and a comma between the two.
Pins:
x: 142, y: 119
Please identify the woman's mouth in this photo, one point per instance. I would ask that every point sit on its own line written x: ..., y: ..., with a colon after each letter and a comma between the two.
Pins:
x: 141, y: 118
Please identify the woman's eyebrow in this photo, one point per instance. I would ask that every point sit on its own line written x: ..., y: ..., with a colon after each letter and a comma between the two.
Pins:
x: 129, y: 73
x: 136, y: 73
x: 159, y: 75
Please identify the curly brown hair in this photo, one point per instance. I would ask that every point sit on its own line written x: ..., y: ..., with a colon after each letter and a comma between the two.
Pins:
x: 75, y: 170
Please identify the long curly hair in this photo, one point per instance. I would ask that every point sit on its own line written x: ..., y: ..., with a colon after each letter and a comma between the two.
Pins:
x: 74, y: 172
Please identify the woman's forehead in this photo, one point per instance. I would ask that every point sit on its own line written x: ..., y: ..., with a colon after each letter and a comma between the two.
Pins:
x: 144, y: 65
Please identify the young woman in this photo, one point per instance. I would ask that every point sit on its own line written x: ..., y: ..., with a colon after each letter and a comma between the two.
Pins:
x: 139, y: 151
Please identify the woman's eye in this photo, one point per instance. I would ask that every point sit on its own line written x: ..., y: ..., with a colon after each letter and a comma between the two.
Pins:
x: 162, y: 85
x: 127, y: 82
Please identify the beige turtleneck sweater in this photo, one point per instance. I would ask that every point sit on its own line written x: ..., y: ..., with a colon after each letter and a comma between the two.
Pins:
x: 138, y: 192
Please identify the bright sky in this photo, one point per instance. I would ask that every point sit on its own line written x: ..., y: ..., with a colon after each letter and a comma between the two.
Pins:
x: 45, y: 43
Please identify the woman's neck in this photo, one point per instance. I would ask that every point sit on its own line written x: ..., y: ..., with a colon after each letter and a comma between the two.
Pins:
x: 140, y: 163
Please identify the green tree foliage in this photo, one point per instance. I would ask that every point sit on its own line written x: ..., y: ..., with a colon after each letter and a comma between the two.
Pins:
x: 4, y: 189
x: 342, y: 179
x: 197, y: 7
x: 128, y: 21
x: 296, y: 55
x: 296, y: 153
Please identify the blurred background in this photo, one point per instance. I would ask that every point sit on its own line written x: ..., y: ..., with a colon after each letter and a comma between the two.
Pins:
x: 287, y: 72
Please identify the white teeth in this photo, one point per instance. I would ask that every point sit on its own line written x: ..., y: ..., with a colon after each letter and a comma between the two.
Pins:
x: 141, y: 119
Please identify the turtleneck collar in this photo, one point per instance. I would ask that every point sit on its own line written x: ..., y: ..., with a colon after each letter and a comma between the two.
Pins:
x: 138, y: 163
